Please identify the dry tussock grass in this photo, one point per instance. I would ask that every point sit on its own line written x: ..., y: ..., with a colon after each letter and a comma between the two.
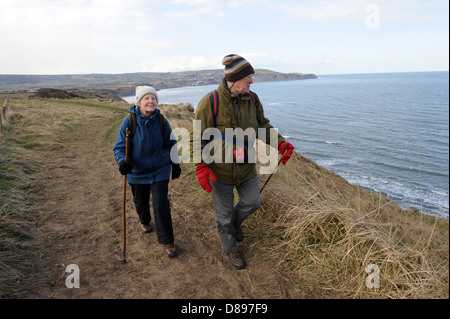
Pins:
x: 37, y: 132
x: 329, y: 232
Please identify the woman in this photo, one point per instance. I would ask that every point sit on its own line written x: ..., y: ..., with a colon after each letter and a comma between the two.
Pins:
x: 149, y: 164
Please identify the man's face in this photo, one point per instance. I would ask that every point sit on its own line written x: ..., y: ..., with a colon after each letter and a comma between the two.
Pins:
x: 243, y: 85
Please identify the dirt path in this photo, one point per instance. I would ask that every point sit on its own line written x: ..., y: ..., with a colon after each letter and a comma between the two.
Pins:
x: 84, y: 205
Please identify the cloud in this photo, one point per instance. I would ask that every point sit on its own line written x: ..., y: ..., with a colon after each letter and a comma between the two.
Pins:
x: 415, y: 11
x: 47, y: 14
x: 217, y: 8
x: 96, y: 36
x: 357, y: 10
x: 78, y: 36
x: 180, y: 63
x: 341, y: 10
x: 194, y: 8
x: 291, y: 63
x: 245, y: 3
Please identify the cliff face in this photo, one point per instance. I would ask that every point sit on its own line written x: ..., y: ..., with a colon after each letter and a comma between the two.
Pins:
x: 267, y: 75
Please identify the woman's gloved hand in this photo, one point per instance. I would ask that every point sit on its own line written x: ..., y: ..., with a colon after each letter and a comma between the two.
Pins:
x: 176, y: 170
x: 125, y: 168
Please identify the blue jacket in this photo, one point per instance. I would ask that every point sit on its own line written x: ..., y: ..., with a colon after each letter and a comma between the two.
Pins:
x: 147, y: 152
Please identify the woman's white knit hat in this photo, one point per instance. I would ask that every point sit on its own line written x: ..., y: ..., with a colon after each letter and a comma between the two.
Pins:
x: 143, y: 90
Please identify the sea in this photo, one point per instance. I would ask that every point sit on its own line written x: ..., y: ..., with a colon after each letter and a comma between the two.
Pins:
x: 387, y: 132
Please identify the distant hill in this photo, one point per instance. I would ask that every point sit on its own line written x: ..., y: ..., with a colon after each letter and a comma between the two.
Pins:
x: 125, y: 83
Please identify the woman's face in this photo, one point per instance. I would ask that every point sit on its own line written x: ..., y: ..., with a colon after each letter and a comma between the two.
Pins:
x: 147, y: 105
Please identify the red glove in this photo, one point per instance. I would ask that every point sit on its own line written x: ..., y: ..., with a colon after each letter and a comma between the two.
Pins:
x: 203, y: 175
x: 285, y: 147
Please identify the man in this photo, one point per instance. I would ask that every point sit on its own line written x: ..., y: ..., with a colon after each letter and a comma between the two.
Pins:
x: 237, y: 107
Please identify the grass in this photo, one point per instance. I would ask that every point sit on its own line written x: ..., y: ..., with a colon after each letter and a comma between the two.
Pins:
x: 36, y: 135
x: 16, y: 224
x: 316, y: 224
x: 321, y: 231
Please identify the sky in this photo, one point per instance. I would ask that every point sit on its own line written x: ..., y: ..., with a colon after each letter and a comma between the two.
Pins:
x: 305, y: 36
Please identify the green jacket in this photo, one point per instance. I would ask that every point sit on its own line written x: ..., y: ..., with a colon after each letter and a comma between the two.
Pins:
x: 234, y: 111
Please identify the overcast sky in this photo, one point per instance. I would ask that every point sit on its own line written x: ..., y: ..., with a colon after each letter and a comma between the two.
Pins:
x: 309, y: 36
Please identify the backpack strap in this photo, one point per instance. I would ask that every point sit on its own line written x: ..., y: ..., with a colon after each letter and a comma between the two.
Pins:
x: 214, y: 104
x: 162, y: 126
x: 132, y: 123
x: 253, y: 97
x: 162, y: 123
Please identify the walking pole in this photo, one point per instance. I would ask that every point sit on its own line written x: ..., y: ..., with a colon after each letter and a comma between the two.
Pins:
x: 124, y: 202
x: 268, y: 179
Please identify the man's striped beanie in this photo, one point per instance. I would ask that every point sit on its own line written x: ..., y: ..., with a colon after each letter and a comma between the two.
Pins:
x: 236, y: 67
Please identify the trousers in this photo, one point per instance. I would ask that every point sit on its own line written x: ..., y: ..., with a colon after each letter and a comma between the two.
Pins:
x: 161, y: 208
x: 229, y: 217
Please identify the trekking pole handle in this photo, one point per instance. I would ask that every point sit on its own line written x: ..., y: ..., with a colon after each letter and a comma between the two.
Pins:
x: 126, y: 144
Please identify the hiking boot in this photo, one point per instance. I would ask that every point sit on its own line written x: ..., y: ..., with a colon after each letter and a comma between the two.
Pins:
x: 171, y: 250
x: 236, y: 260
x: 239, y: 235
x: 148, y: 228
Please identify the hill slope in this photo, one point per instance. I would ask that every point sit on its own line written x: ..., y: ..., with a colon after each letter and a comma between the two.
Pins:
x: 314, y: 236
x: 124, y: 84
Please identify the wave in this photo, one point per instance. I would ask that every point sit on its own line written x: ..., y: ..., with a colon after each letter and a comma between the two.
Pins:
x: 439, y: 193
x: 406, y: 196
x: 408, y: 167
x: 336, y: 143
x: 279, y: 103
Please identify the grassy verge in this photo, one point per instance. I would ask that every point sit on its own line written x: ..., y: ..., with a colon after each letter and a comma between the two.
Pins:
x: 38, y: 132
x: 334, y: 235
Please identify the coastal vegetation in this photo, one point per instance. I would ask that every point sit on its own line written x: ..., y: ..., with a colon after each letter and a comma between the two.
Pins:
x: 315, y: 236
